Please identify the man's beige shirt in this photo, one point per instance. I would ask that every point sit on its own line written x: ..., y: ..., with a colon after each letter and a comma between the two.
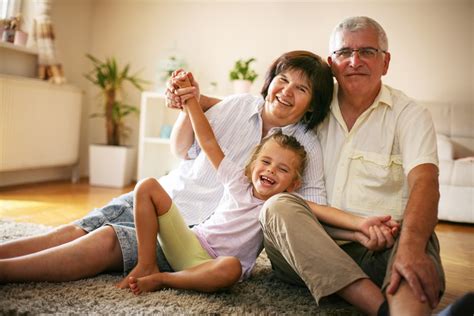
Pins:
x: 366, y: 168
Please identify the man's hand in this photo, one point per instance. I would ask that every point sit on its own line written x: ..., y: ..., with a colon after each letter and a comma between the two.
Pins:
x: 175, y: 96
x: 418, y: 270
x: 411, y: 263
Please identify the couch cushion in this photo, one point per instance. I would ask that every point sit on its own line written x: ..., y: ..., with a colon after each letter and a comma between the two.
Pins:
x: 445, y: 171
x: 456, y: 204
x: 445, y: 147
x: 463, y: 173
x: 454, y: 121
x: 462, y: 116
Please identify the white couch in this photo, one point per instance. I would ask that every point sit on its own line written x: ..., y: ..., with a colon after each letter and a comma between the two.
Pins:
x: 454, y: 124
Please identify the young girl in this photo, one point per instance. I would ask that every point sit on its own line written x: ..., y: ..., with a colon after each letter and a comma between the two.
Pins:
x: 223, y: 249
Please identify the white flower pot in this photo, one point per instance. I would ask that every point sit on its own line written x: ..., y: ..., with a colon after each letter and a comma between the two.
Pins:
x: 111, y: 166
x: 242, y: 86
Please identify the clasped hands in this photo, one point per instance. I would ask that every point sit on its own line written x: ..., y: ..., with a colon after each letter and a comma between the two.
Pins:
x: 377, y: 232
x: 177, y: 96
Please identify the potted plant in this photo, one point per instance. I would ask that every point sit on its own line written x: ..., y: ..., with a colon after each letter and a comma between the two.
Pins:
x: 166, y: 68
x: 112, y: 164
x: 242, y: 76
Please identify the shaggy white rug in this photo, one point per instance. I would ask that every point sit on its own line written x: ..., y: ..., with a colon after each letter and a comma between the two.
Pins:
x: 262, y: 294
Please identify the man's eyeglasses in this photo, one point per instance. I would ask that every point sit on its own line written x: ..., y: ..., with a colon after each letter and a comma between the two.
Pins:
x: 363, y: 52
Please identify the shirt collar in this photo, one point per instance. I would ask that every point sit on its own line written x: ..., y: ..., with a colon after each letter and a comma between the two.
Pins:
x: 257, y: 109
x: 384, y: 97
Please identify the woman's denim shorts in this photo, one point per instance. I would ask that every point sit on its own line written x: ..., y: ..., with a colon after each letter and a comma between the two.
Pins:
x: 119, y: 214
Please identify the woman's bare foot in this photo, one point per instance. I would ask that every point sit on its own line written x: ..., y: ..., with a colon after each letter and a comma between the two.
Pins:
x: 148, y: 283
x: 137, y: 272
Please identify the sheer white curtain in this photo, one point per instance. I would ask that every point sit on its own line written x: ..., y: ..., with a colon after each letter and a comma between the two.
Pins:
x: 49, y: 68
x: 9, y: 8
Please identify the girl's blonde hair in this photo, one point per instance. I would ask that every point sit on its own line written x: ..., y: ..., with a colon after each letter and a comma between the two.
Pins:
x: 285, y: 141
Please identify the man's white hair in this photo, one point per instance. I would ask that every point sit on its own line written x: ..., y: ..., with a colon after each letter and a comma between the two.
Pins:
x: 356, y: 23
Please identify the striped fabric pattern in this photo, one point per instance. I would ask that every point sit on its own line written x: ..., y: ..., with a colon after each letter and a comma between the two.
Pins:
x: 237, y: 124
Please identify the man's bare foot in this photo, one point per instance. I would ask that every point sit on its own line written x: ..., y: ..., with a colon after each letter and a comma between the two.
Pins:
x: 137, y: 272
x: 148, y: 283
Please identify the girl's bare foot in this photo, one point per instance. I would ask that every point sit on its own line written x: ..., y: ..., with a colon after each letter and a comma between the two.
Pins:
x: 148, y: 283
x: 137, y: 272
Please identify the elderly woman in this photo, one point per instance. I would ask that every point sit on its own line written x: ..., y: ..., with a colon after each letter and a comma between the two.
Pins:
x: 295, y: 98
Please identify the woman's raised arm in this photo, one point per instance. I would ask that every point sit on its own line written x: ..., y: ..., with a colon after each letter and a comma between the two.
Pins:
x: 202, y: 129
x: 182, y: 135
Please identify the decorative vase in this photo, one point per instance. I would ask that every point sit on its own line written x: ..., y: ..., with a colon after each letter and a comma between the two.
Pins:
x: 8, y: 35
x: 20, y: 38
x: 242, y: 86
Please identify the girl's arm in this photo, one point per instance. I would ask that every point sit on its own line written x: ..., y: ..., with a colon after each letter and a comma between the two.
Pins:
x: 348, y: 221
x: 202, y: 129
x: 375, y: 241
x: 335, y: 217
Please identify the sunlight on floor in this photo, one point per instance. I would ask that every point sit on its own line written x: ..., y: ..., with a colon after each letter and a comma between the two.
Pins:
x: 37, y: 212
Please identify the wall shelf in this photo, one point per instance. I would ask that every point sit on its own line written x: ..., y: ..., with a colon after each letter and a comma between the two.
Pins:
x: 18, y: 60
x: 154, y: 155
x: 18, y: 48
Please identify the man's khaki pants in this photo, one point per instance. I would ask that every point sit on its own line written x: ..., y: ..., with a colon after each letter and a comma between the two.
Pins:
x: 302, y: 253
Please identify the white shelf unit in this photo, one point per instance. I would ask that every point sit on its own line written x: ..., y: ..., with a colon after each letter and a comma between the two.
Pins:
x: 154, y: 156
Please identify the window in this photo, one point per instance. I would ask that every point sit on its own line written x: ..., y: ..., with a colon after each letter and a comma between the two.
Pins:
x: 9, y: 8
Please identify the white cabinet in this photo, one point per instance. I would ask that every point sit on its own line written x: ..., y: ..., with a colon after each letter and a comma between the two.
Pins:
x: 154, y: 156
x: 40, y: 126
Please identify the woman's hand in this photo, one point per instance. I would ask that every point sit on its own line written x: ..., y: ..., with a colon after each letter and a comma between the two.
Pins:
x: 175, y: 96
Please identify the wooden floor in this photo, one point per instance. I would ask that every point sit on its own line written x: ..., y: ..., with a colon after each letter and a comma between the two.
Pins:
x: 57, y: 203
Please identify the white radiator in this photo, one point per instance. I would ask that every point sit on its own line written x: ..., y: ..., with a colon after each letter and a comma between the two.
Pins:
x: 39, y: 124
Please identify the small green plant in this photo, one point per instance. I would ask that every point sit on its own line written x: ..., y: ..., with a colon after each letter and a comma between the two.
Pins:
x: 167, y: 66
x: 109, y: 77
x: 242, y: 70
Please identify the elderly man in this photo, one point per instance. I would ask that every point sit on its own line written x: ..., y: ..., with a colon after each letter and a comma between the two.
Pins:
x: 380, y: 157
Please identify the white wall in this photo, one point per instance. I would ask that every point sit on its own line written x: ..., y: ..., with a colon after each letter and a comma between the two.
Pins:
x: 432, y: 42
x: 73, y: 27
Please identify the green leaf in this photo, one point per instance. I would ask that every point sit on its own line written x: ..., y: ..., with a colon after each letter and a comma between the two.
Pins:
x: 242, y: 70
x: 109, y: 77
